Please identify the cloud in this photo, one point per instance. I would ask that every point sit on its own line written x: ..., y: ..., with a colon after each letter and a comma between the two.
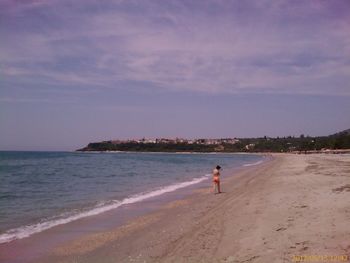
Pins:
x: 204, y: 46
x: 32, y: 100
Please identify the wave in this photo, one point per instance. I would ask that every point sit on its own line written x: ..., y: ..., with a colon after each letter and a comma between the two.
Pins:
x: 26, y: 231
x: 252, y: 164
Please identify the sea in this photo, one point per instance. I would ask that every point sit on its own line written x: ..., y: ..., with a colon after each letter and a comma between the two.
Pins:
x: 40, y: 190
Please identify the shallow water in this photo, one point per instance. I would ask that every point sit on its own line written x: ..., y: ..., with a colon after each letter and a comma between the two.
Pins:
x: 39, y: 190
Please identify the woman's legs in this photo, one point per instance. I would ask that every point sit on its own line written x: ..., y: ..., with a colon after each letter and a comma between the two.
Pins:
x: 216, y: 187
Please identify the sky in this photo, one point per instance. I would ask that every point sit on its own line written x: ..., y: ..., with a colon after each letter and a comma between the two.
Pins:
x: 74, y: 72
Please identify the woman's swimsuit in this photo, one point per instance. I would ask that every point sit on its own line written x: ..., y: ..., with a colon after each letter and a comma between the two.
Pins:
x: 216, y: 179
x: 216, y: 176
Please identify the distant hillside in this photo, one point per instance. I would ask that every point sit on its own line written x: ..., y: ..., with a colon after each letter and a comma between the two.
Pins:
x: 342, y: 133
x: 337, y: 141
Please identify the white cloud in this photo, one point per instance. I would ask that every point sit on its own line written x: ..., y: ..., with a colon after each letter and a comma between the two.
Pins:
x: 265, y: 48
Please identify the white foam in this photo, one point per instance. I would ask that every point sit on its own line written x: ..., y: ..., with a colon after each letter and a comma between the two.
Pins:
x: 26, y: 231
x: 252, y: 164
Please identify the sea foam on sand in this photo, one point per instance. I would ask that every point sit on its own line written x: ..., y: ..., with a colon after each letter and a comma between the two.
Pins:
x: 26, y: 231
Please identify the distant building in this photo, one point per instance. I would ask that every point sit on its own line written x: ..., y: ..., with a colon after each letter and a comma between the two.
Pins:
x: 249, y: 146
x: 179, y: 140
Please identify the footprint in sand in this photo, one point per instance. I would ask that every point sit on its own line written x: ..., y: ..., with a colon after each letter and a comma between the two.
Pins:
x: 281, y: 229
x: 301, y: 206
x: 302, y: 245
x: 342, y: 188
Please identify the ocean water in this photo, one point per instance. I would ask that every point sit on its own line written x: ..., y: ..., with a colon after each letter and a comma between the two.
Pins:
x: 39, y: 190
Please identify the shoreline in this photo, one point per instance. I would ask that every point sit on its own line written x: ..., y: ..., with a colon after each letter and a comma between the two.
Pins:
x: 25, y: 232
x: 328, y: 151
x: 121, y: 215
x: 168, y: 207
x: 290, y: 206
x: 28, y: 230
x: 146, y: 152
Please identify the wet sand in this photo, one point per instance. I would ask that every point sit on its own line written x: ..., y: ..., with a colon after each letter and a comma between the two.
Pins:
x: 291, y: 206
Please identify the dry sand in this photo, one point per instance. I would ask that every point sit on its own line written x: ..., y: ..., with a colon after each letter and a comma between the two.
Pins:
x: 292, y: 206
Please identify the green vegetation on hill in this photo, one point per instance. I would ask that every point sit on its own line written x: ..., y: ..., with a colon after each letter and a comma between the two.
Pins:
x: 302, y: 143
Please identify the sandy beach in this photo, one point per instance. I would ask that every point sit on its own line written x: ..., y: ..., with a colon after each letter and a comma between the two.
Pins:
x: 289, y: 209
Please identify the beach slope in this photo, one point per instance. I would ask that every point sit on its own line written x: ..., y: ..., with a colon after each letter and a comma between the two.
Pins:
x: 291, y: 206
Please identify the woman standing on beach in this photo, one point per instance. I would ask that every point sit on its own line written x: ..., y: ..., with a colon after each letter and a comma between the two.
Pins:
x: 216, y: 179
